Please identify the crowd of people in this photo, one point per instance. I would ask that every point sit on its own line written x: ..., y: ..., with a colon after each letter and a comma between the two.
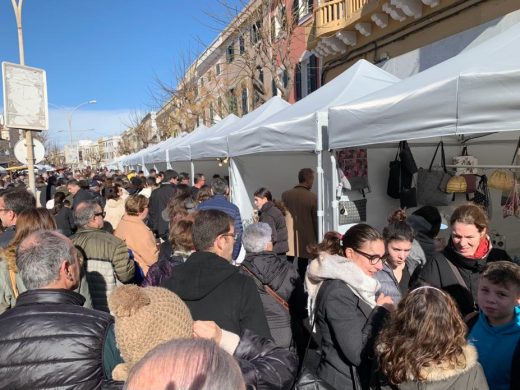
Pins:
x: 111, y: 280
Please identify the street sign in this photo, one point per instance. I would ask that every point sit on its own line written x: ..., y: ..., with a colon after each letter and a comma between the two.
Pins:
x: 20, y: 151
x: 25, y: 97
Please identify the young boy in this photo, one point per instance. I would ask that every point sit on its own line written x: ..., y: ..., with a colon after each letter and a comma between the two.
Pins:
x: 495, y: 332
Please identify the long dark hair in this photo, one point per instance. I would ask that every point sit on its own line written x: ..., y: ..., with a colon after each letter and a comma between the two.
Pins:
x: 263, y: 192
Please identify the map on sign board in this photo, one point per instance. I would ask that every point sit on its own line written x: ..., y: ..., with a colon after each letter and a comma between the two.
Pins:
x: 25, y: 97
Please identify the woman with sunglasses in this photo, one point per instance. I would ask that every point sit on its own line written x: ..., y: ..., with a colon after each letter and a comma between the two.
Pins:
x: 398, y: 266
x: 347, y: 310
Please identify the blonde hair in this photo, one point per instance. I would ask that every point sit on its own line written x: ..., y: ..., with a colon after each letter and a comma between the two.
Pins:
x: 135, y: 204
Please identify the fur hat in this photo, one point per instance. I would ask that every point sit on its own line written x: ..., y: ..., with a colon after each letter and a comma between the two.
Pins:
x: 145, y: 318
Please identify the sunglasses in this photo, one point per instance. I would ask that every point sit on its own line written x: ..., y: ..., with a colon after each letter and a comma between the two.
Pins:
x: 234, y: 235
x: 373, y: 259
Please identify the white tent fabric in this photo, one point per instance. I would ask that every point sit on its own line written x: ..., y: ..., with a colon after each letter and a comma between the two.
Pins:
x: 474, y: 92
x: 296, y: 127
x: 181, y: 151
x: 216, y: 145
x: 160, y: 152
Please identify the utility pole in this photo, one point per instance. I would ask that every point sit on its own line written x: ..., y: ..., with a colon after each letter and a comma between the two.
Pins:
x: 17, y: 7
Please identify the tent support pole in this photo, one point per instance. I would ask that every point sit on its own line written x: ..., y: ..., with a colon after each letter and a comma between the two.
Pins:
x: 192, y: 173
x: 335, y: 186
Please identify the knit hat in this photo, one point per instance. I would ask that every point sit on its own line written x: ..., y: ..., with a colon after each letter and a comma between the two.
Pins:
x: 145, y: 318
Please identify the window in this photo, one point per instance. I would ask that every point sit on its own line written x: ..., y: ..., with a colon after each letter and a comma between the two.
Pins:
x: 217, y: 69
x: 202, y: 82
x: 255, y: 32
x: 230, y: 53
x: 211, y: 114
x: 245, y: 105
x: 303, y: 8
x: 306, y: 76
x: 274, y: 88
x: 278, y: 21
x: 242, y: 44
x: 232, y: 101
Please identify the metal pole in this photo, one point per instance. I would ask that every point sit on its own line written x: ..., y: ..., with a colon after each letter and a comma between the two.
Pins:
x: 17, y: 7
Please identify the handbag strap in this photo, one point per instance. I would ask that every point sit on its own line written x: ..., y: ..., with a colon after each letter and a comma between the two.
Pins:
x: 516, y: 151
x: 457, y: 274
x: 268, y: 290
x: 443, y: 157
x: 12, y: 276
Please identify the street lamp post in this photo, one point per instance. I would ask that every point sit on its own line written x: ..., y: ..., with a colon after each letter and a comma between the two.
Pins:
x: 69, y: 120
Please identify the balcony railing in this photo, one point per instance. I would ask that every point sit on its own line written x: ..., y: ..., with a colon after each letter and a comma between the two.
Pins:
x: 338, y: 13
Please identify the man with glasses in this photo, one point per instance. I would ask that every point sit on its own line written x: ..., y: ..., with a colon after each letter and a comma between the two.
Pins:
x: 211, y: 287
x: 12, y: 203
x: 106, y: 257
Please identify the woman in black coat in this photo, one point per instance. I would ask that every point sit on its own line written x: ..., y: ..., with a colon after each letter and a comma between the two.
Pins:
x: 457, y: 268
x: 63, y: 215
x: 273, y: 213
x: 349, y: 311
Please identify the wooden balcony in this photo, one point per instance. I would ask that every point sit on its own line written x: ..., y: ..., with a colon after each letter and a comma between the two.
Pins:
x: 338, y: 14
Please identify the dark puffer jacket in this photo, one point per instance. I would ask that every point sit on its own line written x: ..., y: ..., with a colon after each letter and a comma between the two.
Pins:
x: 281, y: 277
x: 264, y: 365
x: 438, y: 273
x: 272, y: 215
x: 50, y: 341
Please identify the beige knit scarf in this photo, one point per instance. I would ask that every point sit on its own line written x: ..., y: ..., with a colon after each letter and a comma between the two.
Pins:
x: 339, y: 268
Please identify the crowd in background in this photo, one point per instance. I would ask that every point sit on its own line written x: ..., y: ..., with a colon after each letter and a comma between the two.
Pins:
x: 115, y: 280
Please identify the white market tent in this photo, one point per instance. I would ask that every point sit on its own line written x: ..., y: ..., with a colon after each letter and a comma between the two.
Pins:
x: 216, y: 144
x: 272, y: 152
x: 477, y: 91
x: 295, y: 128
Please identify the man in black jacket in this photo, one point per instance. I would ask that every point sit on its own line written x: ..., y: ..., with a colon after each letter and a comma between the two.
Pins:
x: 211, y: 287
x: 49, y: 340
x: 158, y: 201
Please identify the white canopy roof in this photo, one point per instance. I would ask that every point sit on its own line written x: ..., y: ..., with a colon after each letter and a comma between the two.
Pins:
x: 216, y: 145
x: 473, y: 92
x: 295, y: 128
x: 181, y: 151
x: 159, y: 152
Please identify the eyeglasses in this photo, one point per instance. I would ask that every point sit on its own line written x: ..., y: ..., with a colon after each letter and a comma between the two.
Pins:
x: 234, y: 235
x: 5, y: 209
x: 373, y: 259
x: 100, y: 214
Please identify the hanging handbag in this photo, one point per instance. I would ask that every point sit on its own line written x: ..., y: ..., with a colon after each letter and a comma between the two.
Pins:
x: 456, y: 184
x: 393, y: 188
x: 467, y: 160
x: 429, y: 182
x: 501, y: 180
x: 512, y: 206
x: 402, y: 170
x: 353, y: 163
x: 352, y: 211
x: 504, y: 180
x: 471, y: 183
x: 481, y: 196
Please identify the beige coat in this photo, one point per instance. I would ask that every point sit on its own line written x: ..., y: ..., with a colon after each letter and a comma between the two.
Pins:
x: 140, y: 239
x: 303, y: 206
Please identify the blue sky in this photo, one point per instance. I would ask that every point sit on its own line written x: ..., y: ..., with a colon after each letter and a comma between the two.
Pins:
x: 108, y: 50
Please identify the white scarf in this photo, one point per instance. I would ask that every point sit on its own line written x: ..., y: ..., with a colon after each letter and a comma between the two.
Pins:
x: 339, y: 268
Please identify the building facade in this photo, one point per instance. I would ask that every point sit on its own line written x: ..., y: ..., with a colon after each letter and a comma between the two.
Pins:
x: 401, y: 36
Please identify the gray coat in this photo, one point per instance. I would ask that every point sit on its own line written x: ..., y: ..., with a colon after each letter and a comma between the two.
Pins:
x: 389, y: 283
